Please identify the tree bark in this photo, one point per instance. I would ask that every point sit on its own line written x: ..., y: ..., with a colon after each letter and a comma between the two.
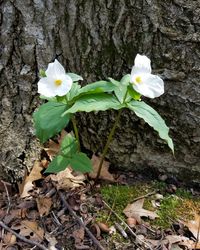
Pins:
x: 98, y: 39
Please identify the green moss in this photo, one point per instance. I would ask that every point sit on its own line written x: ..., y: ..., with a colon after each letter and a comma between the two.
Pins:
x: 167, y: 211
x: 118, y: 197
x: 180, y: 205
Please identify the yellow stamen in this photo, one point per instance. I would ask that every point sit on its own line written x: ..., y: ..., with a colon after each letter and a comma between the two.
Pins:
x: 58, y: 82
x: 138, y: 79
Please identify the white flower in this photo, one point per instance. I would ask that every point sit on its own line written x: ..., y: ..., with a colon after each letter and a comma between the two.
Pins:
x: 56, y: 81
x: 143, y: 81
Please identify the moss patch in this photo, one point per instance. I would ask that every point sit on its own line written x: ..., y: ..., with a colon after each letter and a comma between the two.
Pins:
x: 180, y: 205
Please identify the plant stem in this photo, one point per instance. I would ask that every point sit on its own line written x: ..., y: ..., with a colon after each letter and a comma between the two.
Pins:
x: 76, y: 131
x: 105, y: 150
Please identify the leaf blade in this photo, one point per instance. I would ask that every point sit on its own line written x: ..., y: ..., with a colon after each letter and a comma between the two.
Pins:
x: 58, y: 164
x: 80, y: 162
x: 48, y: 120
x: 94, y: 102
x: 150, y: 116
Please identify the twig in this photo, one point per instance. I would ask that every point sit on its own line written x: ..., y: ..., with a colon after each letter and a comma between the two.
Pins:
x: 144, y: 196
x: 31, y: 242
x: 121, y: 230
x: 7, y: 193
x: 8, y: 207
x: 96, y: 242
x: 131, y: 231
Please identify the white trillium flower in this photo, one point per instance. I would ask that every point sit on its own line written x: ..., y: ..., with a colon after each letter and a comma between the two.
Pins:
x: 143, y: 81
x: 56, y: 81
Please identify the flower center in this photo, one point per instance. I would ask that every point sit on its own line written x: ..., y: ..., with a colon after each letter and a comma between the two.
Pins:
x: 138, y: 79
x: 58, y: 82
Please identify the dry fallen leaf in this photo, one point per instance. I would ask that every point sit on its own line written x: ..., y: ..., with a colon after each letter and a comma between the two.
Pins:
x: 34, y: 175
x: 44, y: 205
x: 53, y: 147
x: 105, y: 175
x: 193, y: 226
x: 66, y: 180
x: 9, y: 239
x: 79, y: 235
x: 136, y: 211
x: 30, y: 229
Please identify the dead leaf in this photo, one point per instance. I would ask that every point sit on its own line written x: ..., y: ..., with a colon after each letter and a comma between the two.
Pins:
x: 30, y: 229
x: 66, y: 180
x: 79, y: 235
x: 9, y: 239
x: 181, y: 241
x: 105, y: 175
x: 44, y: 205
x: 51, y: 241
x: 53, y: 148
x: 136, y: 211
x: 34, y: 175
x: 193, y: 226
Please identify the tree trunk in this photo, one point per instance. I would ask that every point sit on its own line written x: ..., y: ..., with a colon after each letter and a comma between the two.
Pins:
x: 98, y: 39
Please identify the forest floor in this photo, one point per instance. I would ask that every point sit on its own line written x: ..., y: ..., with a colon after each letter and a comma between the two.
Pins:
x: 120, y: 211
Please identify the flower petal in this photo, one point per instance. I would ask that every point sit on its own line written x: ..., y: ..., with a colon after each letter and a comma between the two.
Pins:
x: 55, y: 69
x: 151, y: 86
x: 142, y: 63
x: 65, y: 87
x: 46, y: 87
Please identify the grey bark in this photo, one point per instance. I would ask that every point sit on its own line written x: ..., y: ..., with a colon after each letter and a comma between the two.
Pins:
x: 98, y: 39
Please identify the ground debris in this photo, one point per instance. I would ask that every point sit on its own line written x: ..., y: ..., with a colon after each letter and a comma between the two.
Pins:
x: 69, y: 211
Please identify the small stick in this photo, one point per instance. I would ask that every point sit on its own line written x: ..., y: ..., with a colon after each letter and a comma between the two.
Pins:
x: 31, y: 242
x: 8, y: 207
x: 96, y: 242
x: 131, y: 231
x: 144, y: 196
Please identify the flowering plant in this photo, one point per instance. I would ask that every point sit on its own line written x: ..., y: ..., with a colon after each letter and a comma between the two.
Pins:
x: 66, y: 97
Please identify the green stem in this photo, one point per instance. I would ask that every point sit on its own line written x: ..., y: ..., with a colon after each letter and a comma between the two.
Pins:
x: 76, y: 131
x: 105, y: 150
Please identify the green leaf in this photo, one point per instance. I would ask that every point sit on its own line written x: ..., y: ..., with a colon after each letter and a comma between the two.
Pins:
x: 73, y: 91
x: 135, y: 95
x: 94, y: 102
x: 94, y: 88
x: 80, y: 162
x: 125, y: 80
x: 69, y: 146
x: 59, y: 163
x: 75, y: 77
x: 120, y: 90
x: 48, y: 120
x: 150, y: 116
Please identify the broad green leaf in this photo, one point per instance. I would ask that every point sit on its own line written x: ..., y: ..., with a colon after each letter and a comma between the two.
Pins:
x: 150, y: 116
x: 135, y: 95
x: 48, y: 120
x: 125, y: 80
x: 73, y: 91
x: 69, y: 146
x: 75, y: 77
x: 94, y: 102
x: 59, y: 163
x: 80, y: 162
x: 94, y: 88
x: 120, y: 90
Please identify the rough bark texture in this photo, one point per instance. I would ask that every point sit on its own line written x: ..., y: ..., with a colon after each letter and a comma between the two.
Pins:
x: 98, y: 39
